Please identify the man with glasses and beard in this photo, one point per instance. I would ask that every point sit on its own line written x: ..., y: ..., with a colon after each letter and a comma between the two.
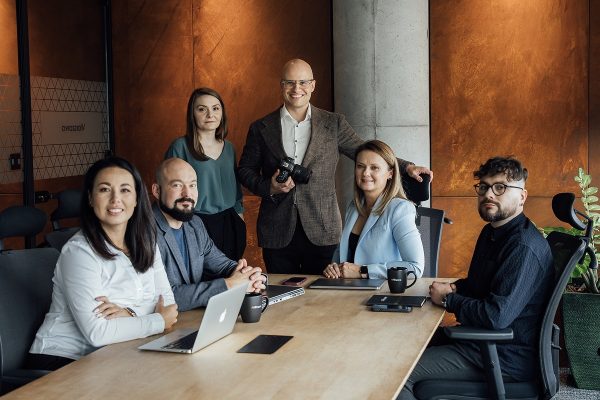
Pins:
x: 508, y: 285
x: 196, y: 268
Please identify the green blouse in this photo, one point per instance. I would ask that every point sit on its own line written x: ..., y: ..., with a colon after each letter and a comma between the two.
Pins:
x: 218, y: 188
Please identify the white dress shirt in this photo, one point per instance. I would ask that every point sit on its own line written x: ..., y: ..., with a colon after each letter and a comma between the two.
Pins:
x: 71, y: 328
x: 295, y: 135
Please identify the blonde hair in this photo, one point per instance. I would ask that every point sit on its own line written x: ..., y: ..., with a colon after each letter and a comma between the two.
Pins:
x: 393, y: 186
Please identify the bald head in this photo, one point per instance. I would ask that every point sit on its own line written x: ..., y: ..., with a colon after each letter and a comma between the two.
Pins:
x: 297, y: 85
x: 295, y: 67
x: 172, y: 168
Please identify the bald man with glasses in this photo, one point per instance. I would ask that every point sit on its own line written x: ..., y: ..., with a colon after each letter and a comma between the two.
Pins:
x: 299, y: 224
x: 509, y: 283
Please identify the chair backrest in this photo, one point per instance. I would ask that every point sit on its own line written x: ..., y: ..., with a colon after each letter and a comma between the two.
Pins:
x: 25, y: 297
x: 69, y: 206
x: 567, y: 250
x: 416, y: 191
x: 429, y: 223
x: 21, y: 221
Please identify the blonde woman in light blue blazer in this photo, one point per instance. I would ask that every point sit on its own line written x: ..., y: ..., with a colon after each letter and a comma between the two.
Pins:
x: 379, y: 230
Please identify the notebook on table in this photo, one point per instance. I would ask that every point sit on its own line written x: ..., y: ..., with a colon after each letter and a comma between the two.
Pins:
x: 357, y: 284
x: 386, y: 299
x: 279, y: 293
x: 219, y: 318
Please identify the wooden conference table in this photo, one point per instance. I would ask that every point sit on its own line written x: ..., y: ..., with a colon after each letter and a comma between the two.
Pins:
x: 340, y: 350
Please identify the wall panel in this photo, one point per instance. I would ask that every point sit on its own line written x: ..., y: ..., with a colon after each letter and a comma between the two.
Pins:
x: 507, y: 77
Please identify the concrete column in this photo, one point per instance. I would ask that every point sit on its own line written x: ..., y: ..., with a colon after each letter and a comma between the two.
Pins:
x: 381, y: 77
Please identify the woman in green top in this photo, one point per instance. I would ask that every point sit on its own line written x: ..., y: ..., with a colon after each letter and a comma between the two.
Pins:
x: 219, y: 193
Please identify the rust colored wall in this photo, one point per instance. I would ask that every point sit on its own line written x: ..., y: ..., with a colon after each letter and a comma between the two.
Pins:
x: 66, y: 39
x: 9, y: 63
x: 163, y: 50
x: 507, y: 77
x: 594, y: 93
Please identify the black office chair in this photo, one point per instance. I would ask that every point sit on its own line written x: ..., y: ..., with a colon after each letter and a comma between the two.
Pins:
x: 567, y: 251
x: 69, y: 206
x: 20, y: 221
x: 25, y: 293
x: 429, y: 222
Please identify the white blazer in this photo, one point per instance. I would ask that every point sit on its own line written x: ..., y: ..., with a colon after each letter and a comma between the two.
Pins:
x: 387, y: 240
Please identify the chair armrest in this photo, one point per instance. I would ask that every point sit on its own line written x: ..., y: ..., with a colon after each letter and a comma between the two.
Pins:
x: 478, y: 334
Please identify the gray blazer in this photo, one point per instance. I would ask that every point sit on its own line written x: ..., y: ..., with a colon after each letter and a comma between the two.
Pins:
x: 316, y: 201
x: 208, y: 264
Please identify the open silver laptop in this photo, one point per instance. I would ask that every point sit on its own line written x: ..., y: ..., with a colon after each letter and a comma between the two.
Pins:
x: 219, y: 318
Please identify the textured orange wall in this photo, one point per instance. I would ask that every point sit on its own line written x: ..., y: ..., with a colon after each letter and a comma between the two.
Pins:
x: 507, y: 77
x: 594, y: 93
x: 9, y: 63
x: 163, y: 50
x: 66, y: 39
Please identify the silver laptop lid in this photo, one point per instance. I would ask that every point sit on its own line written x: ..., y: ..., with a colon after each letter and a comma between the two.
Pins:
x: 220, y: 315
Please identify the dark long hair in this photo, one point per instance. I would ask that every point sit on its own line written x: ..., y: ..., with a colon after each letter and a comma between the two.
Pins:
x: 140, y: 235
x: 191, y: 139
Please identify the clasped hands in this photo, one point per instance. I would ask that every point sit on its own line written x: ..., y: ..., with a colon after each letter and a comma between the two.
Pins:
x: 245, y: 273
x: 343, y: 270
x: 439, y: 290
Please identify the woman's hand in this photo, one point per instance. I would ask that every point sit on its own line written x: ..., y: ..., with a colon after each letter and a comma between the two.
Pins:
x: 169, y: 313
x: 332, y: 271
x: 108, y: 310
x: 350, y: 270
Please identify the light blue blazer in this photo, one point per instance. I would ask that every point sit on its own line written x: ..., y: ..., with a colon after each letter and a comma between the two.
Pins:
x: 387, y: 240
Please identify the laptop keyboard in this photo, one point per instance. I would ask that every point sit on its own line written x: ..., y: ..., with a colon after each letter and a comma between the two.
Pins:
x: 186, y: 342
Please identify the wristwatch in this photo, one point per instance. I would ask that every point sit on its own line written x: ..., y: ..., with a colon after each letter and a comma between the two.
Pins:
x: 445, y: 301
x: 130, y: 311
x: 364, y: 272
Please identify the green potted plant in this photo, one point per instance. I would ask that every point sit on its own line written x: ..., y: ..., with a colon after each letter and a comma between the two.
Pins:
x: 581, y: 300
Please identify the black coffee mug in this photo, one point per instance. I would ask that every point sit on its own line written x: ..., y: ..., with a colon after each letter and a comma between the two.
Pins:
x: 253, y: 306
x: 397, y: 277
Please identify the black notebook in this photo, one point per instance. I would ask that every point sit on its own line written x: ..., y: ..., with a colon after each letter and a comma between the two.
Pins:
x: 386, y: 299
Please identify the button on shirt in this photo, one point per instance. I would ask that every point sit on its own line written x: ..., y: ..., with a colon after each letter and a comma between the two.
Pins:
x: 295, y: 135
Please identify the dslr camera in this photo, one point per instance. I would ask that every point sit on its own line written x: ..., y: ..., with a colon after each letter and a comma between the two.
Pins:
x: 298, y: 173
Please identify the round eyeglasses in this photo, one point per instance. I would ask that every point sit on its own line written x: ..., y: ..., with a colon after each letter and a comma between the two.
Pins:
x: 290, y: 84
x: 498, y: 188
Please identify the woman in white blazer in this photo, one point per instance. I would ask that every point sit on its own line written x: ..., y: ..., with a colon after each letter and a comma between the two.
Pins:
x: 379, y: 229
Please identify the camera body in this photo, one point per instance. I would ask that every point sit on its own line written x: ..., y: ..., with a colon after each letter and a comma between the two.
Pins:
x: 298, y: 173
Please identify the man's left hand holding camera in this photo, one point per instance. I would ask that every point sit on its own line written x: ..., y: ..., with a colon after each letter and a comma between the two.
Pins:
x: 284, y: 187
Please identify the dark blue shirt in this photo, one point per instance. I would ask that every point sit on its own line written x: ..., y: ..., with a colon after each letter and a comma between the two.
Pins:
x: 508, y: 286
x: 182, y: 244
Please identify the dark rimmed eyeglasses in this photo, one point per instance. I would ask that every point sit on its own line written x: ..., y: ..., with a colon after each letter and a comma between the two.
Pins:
x: 498, y: 188
x: 290, y: 84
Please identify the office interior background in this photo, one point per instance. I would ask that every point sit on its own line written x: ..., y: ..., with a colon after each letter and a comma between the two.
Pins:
x: 447, y: 83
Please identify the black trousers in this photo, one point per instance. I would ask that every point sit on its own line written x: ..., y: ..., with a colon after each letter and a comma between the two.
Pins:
x: 228, y: 231
x: 301, y: 256
x: 45, y: 362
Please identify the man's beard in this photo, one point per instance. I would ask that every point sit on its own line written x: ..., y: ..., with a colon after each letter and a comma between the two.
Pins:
x: 499, y: 215
x: 179, y: 214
